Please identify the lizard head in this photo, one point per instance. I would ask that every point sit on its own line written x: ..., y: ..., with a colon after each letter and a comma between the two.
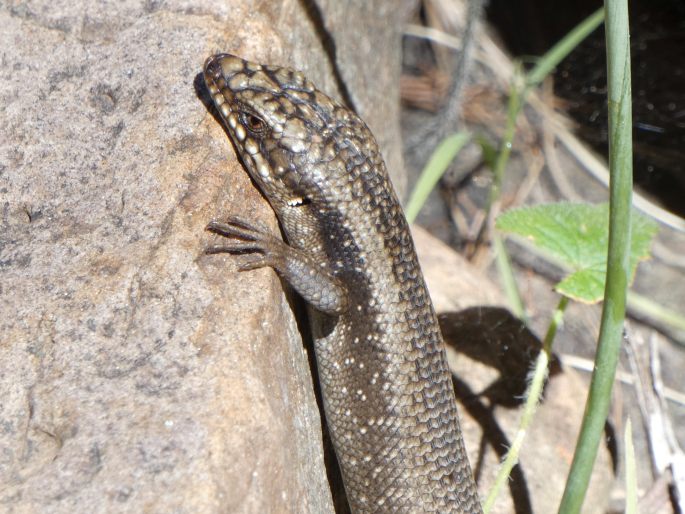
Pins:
x: 292, y: 138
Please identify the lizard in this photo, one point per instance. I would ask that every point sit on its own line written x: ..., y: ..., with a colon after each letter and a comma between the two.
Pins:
x: 387, y: 391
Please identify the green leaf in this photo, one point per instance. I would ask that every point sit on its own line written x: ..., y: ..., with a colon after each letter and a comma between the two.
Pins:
x: 576, y: 236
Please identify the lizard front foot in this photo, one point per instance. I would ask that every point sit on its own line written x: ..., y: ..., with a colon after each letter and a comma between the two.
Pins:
x: 258, y: 249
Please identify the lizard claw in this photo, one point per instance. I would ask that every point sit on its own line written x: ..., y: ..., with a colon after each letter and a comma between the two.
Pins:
x: 262, y: 248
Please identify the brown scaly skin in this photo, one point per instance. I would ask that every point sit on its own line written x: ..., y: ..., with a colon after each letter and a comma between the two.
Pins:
x: 385, y: 383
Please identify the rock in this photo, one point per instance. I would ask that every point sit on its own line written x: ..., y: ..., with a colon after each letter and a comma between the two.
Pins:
x: 136, y: 373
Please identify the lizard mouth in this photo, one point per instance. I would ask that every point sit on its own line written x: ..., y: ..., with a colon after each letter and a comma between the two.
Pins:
x: 298, y: 201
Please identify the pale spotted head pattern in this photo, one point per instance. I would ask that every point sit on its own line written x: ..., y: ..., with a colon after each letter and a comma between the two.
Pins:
x: 314, y: 160
x: 287, y: 131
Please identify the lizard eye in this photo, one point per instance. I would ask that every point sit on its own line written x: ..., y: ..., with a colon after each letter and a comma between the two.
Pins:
x: 253, y: 123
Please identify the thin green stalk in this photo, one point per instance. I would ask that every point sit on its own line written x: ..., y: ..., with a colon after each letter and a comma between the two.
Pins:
x: 558, y: 52
x: 519, y: 91
x: 557, y: 318
x: 644, y: 306
x: 533, y: 395
x: 513, y: 109
x: 435, y: 168
x: 501, y: 255
x: 613, y: 312
x: 506, y: 274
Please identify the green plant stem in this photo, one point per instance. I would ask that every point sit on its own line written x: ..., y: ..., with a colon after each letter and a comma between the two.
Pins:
x: 646, y: 307
x: 435, y: 168
x: 513, y: 109
x: 533, y: 395
x: 506, y: 274
x: 557, y: 318
x: 520, y: 88
x: 556, y: 54
x: 613, y: 312
x: 501, y: 255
